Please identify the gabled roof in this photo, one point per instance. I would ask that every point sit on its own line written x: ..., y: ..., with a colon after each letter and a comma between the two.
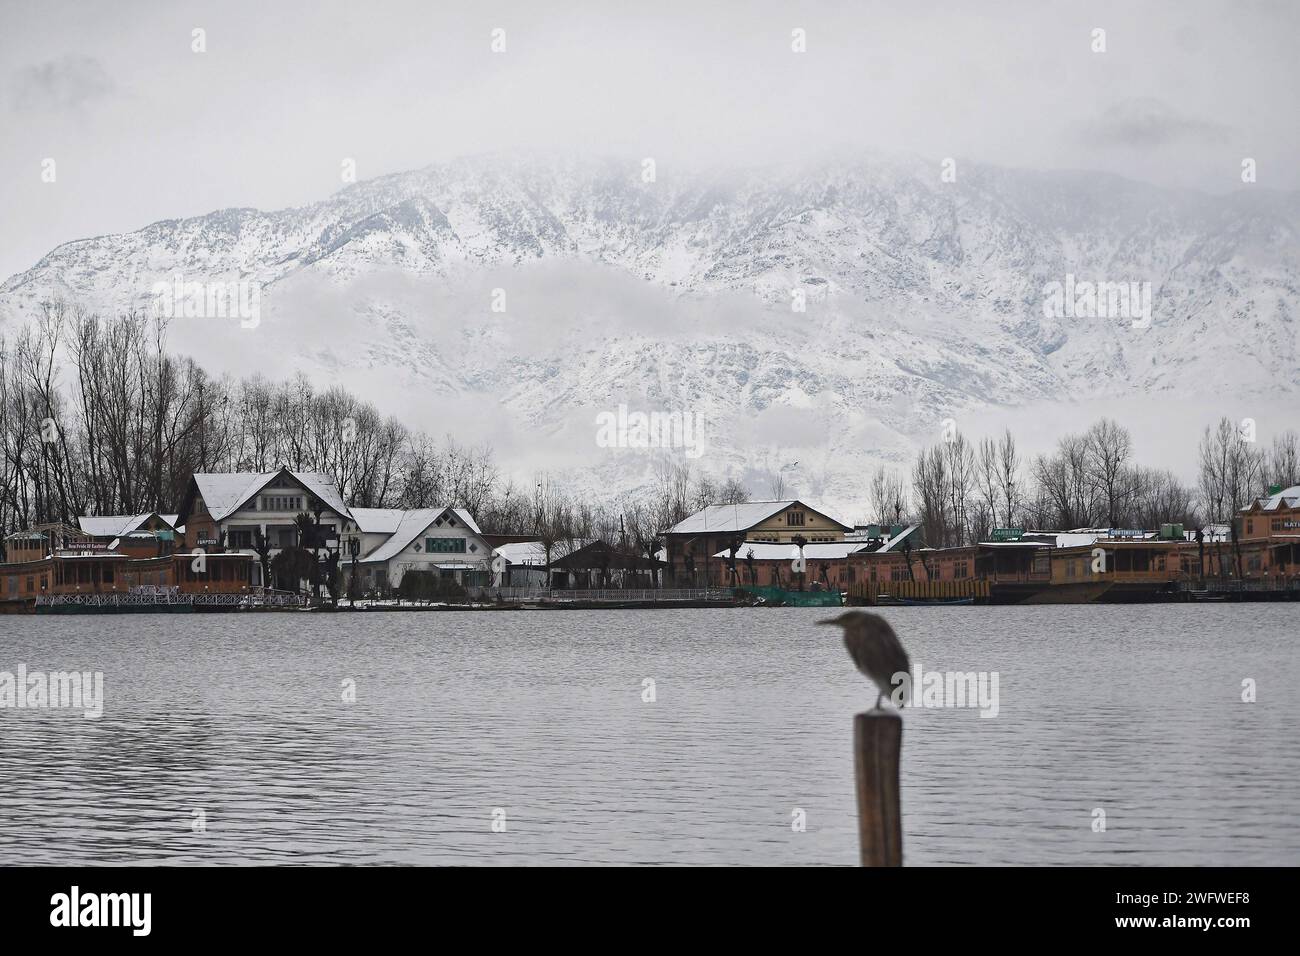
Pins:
x: 721, y: 519
x: 595, y: 553
x: 468, y: 518
x: 523, y: 553
x: 899, y: 538
x: 416, y: 522
x: 386, y: 520
x: 224, y: 493
x: 114, y: 526
x: 1286, y: 498
x: 377, y: 520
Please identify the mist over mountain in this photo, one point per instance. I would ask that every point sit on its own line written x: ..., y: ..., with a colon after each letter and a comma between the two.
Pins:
x: 922, y: 300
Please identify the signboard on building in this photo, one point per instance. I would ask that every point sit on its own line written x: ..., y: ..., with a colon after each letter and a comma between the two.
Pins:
x: 1008, y: 534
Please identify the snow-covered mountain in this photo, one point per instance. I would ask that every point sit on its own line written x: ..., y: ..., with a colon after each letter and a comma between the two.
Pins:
x: 924, y: 300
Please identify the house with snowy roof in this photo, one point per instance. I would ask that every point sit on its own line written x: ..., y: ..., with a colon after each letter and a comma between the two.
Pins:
x: 109, y: 528
x: 691, y: 543
x: 523, y: 564
x: 1270, y: 533
x: 229, y: 511
x: 445, y: 542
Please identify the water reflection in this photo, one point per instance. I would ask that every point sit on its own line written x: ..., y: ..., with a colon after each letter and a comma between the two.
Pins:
x: 1133, y: 710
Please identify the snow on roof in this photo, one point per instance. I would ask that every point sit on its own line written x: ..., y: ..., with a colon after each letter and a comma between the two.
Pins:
x: 723, y: 518
x: 1286, y: 498
x: 386, y: 520
x: 107, y: 526
x: 407, y: 530
x: 324, y: 488
x: 1076, y: 539
x: 767, y: 551
x: 900, y: 537
x: 523, y: 552
x: 413, y: 524
x: 468, y: 518
x: 739, y: 517
x: 224, y: 493
x: 114, y: 526
x: 377, y: 520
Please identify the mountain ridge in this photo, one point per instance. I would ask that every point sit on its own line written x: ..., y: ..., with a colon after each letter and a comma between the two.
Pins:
x: 924, y: 300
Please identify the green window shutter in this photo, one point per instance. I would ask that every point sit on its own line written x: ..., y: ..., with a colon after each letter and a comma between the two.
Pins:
x: 445, y: 545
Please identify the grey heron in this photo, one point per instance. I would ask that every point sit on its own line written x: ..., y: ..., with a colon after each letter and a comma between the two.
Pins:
x: 874, y: 647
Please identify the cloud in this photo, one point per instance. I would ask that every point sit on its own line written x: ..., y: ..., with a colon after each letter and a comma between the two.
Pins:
x: 1143, y: 122
x: 69, y: 83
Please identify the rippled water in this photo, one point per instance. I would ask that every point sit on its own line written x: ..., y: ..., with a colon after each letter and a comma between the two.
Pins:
x: 1136, y: 710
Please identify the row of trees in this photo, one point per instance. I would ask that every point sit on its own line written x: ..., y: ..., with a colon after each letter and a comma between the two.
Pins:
x: 960, y: 491
x: 97, y: 417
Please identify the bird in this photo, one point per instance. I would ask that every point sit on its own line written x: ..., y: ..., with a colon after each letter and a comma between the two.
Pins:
x: 874, y: 647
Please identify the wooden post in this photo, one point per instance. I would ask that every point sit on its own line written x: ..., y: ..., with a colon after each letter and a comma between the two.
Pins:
x: 877, y: 746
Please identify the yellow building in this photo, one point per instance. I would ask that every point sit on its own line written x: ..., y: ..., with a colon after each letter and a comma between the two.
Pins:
x: 691, y: 543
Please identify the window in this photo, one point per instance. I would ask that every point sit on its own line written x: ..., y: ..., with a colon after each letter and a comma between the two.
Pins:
x: 794, y: 518
x: 444, y: 545
x: 282, y: 503
x: 241, y: 538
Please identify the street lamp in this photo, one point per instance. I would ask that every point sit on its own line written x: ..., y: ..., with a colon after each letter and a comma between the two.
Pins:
x: 354, y: 548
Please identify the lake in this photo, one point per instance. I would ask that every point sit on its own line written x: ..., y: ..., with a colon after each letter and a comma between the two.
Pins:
x: 524, y: 738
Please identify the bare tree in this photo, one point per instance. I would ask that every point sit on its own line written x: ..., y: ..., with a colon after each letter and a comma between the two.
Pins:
x: 1282, y: 465
x: 1109, y: 448
x: 1230, y: 470
x: 1008, y: 476
x: 930, y: 484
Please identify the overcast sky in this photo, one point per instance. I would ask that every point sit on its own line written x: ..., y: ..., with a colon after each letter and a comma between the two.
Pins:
x: 142, y: 128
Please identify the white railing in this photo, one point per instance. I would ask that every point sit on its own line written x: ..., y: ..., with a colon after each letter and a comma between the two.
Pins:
x: 111, y: 599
